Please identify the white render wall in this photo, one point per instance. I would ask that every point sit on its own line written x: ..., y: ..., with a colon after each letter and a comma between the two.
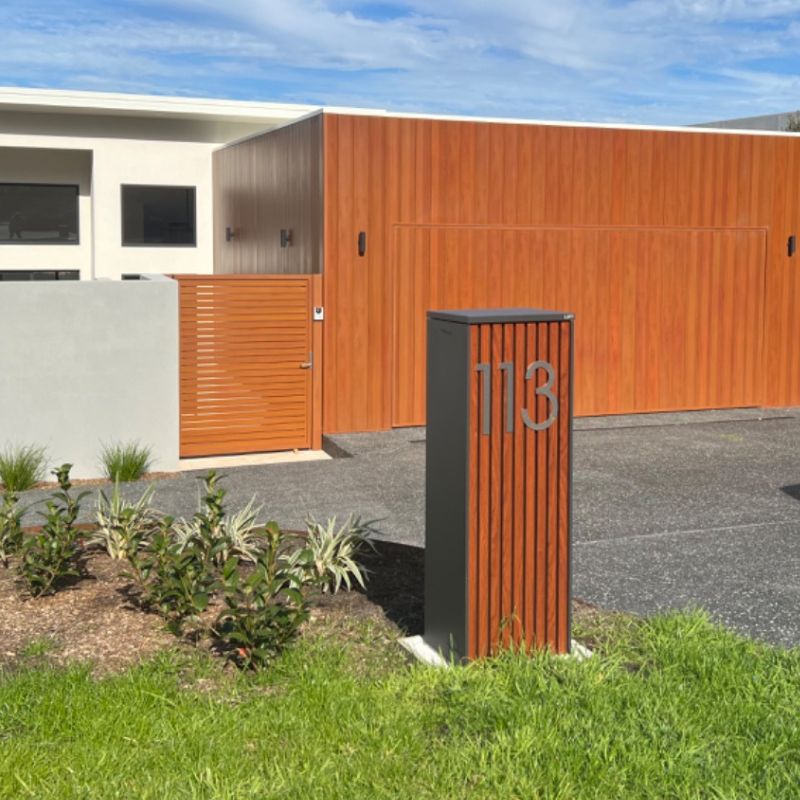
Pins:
x: 87, y: 363
x: 118, y: 150
x: 120, y: 161
x: 33, y: 165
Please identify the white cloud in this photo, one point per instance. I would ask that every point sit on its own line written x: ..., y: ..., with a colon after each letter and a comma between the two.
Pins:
x: 667, y: 61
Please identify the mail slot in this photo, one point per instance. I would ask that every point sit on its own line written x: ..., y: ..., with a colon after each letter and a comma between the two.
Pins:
x: 498, y: 481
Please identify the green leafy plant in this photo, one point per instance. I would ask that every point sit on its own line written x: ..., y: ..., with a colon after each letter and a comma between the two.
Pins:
x: 334, y: 553
x: 125, y: 461
x: 53, y: 554
x: 123, y: 526
x: 265, y: 608
x: 22, y: 467
x: 181, y: 566
x: 176, y: 581
x: 10, y: 527
x: 219, y: 534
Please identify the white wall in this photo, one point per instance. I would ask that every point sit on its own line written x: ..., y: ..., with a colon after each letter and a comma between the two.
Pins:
x: 87, y: 363
x: 32, y: 165
x: 171, y: 152
x: 120, y: 161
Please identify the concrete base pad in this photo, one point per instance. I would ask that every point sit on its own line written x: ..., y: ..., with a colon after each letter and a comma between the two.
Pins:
x: 252, y: 459
x: 419, y: 649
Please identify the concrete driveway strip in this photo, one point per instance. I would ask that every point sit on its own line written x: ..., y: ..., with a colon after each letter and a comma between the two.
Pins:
x: 670, y: 510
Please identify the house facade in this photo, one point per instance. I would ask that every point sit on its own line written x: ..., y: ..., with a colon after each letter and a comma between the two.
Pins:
x: 307, y: 246
x: 99, y: 185
x: 674, y: 248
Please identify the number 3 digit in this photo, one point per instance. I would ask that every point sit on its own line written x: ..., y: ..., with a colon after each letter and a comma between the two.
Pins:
x: 545, y: 391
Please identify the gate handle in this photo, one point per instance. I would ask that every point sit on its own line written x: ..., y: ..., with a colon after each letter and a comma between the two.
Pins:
x: 308, y: 364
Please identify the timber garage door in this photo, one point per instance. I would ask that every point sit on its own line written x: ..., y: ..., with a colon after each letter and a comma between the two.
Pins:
x: 245, y: 382
x: 665, y: 319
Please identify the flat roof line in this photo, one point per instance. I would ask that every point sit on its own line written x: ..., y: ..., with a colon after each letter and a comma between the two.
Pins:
x: 75, y: 101
x: 367, y: 112
x: 137, y: 104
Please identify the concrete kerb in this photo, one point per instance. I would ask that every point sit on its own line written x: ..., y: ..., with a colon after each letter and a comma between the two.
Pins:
x: 419, y: 650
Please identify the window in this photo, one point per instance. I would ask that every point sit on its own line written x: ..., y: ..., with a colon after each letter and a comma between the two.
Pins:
x: 158, y: 215
x: 39, y: 274
x: 38, y: 213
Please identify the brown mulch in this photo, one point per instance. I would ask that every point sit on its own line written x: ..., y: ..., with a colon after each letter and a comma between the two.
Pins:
x: 89, y: 620
x: 148, y: 476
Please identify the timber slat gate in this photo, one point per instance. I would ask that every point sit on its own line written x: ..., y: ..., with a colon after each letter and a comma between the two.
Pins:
x: 245, y: 363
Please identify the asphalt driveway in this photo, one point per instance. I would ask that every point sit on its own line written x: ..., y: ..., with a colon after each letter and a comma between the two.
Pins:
x: 670, y: 510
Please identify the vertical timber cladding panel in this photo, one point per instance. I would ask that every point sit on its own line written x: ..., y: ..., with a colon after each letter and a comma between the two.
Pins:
x: 360, y: 196
x: 262, y: 185
x: 782, y: 343
x: 668, y: 319
x: 519, y: 525
x: 494, y: 177
x: 243, y: 343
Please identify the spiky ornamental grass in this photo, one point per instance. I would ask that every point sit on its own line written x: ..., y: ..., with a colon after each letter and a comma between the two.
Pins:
x: 335, y: 552
x: 22, y: 467
x: 123, y: 526
x: 125, y: 461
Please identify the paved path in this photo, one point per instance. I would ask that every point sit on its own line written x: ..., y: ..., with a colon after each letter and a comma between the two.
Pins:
x: 670, y: 510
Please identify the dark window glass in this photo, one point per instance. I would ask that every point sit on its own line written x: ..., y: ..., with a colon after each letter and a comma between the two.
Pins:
x: 32, y: 213
x: 159, y: 215
x: 39, y: 275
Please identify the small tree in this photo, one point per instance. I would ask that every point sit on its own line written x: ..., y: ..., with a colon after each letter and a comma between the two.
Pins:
x: 793, y: 123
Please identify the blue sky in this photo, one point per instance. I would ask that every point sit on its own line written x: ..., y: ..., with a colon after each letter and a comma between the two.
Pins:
x: 650, y: 61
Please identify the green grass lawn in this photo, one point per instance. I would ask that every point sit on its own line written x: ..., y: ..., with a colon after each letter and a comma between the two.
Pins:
x: 671, y: 708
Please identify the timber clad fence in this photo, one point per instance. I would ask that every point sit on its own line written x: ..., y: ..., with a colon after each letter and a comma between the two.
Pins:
x: 245, y: 363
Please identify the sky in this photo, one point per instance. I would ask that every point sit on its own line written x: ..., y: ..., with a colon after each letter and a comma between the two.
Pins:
x: 645, y: 61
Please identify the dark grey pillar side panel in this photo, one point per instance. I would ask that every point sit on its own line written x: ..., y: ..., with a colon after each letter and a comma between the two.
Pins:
x: 446, y: 487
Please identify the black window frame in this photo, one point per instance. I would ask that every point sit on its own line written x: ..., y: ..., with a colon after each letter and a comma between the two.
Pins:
x: 49, y: 242
x: 16, y: 275
x: 124, y: 186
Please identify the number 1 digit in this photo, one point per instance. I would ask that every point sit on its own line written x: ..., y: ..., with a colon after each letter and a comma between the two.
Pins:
x: 485, y: 370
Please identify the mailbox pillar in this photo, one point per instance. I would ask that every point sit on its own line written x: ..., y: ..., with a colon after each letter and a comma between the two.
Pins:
x: 498, y: 481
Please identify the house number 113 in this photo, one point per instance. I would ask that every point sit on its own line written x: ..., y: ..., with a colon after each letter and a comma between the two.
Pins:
x: 543, y: 390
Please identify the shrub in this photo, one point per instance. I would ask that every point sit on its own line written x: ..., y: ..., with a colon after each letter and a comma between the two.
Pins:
x: 221, y: 535
x: 181, y: 566
x: 122, y: 526
x: 22, y: 467
x: 176, y: 581
x: 53, y: 554
x: 334, y: 553
x: 125, y: 461
x: 10, y: 528
x: 265, y: 608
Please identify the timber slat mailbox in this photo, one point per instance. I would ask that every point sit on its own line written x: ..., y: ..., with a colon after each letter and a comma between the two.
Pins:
x: 498, y: 481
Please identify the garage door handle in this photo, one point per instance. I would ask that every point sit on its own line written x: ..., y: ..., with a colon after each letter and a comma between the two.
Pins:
x: 308, y: 364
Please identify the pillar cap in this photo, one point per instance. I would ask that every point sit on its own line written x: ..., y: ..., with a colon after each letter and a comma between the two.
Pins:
x: 485, y: 316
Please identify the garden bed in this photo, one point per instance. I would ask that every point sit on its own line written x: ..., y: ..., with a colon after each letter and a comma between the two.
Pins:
x: 96, y: 619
